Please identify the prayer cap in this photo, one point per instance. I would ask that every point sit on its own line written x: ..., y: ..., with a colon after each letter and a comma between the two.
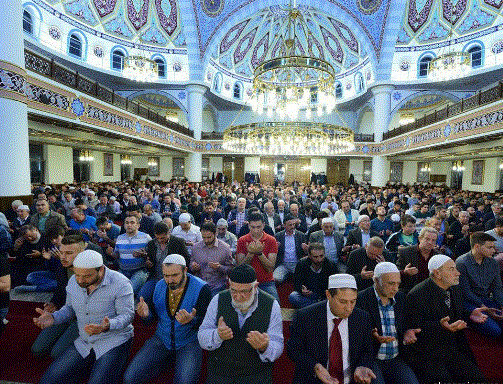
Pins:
x: 184, y: 218
x: 243, y: 274
x: 341, y: 280
x: 175, y: 258
x: 88, y: 259
x: 385, y: 267
x: 327, y: 220
x: 222, y: 223
x: 395, y: 217
x: 23, y: 208
x: 17, y: 202
x: 437, y: 261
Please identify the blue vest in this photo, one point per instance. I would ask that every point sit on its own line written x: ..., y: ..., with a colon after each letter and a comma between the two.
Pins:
x: 173, y: 334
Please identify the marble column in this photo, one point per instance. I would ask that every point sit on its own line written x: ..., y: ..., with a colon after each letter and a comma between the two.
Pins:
x: 193, y: 164
x: 15, y: 159
x: 382, y: 110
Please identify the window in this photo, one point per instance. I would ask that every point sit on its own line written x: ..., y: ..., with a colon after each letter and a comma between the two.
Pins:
x: 118, y: 60
x: 424, y: 66
x: 338, y: 91
x: 161, y: 67
x: 75, y: 47
x: 217, y: 82
x: 27, y: 22
x: 476, y: 56
x: 359, y: 84
x: 237, y: 90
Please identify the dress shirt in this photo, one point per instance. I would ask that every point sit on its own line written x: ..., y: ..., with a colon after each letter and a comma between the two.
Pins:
x: 210, y: 340
x: 290, y: 256
x: 330, y: 248
x: 387, y: 351
x: 113, y: 297
x: 218, y: 252
x: 240, y: 219
x: 193, y: 235
x: 365, y: 238
x: 270, y: 221
x: 344, y: 332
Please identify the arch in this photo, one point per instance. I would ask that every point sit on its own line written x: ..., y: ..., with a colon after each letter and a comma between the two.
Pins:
x: 447, y: 95
x: 160, y: 92
x: 214, y: 114
x: 27, y: 22
x: 476, y: 49
x: 217, y: 82
x: 117, y: 56
x: 237, y: 90
x: 74, y: 48
x: 161, y: 65
x: 367, y: 107
x: 359, y: 83
x: 423, y: 64
x: 322, y: 5
x: 36, y: 18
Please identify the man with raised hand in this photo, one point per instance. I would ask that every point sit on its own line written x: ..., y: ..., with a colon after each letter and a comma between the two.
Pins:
x: 102, y: 301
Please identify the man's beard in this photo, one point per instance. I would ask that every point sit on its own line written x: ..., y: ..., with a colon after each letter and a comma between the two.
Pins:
x: 180, y: 284
x: 244, y: 305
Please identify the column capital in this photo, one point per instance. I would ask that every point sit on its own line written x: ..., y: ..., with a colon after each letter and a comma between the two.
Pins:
x: 200, y: 88
x: 382, y: 88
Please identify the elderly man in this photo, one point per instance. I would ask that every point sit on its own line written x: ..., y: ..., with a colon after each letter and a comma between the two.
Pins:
x: 271, y: 218
x: 310, y: 279
x: 282, y: 211
x: 359, y: 237
x: 130, y: 250
x: 458, y: 229
x: 434, y: 310
x: 301, y: 223
x: 226, y: 236
x: 243, y: 332
x: 151, y: 214
x: 412, y: 261
x: 332, y: 240
x: 362, y: 261
x: 238, y: 216
x: 85, y: 224
x: 102, y: 302
x: 260, y: 250
x: 346, y: 217
x: 211, y: 259
x: 480, y: 282
x: 290, y: 250
x: 330, y: 205
x: 22, y: 218
x: 386, y: 306
x: 179, y: 303
x: 163, y: 244
x: 187, y: 231
x: 27, y: 250
x: 332, y: 331
x: 45, y: 218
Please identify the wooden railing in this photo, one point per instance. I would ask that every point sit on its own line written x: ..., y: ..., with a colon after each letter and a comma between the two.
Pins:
x: 359, y: 137
x: 72, y: 79
x: 477, y: 100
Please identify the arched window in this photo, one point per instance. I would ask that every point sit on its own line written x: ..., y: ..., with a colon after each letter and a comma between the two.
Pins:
x: 359, y: 84
x: 75, y: 46
x: 237, y: 90
x: 217, y: 82
x: 338, y: 91
x: 118, y: 60
x: 424, y: 66
x: 476, y: 56
x: 27, y: 22
x: 161, y: 67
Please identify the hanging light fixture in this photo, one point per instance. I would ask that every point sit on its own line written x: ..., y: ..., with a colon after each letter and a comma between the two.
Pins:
x: 289, y: 138
x: 406, y: 118
x: 291, y: 81
x: 152, y: 162
x: 85, y: 156
x: 458, y: 166
x: 126, y: 160
x: 139, y: 68
x: 426, y: 167
x: 450, y: 64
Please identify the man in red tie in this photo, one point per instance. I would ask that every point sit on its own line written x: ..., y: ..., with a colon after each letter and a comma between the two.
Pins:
x: 330, y: 342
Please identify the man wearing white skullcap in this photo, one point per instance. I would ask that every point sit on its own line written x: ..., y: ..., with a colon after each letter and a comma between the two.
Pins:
x: 386, y: 305
x: 179, y: 303
x: 187, y: 231
x: 434, y: 306
x: 226, y: 236
x: 332, y: 331
x: 102, y: 301
x: 332, y: 240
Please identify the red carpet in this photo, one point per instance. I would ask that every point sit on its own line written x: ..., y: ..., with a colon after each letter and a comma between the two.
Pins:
x: 17, y: 363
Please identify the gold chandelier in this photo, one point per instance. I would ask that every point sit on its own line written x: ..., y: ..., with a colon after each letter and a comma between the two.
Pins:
x: 291, y: 82
x: 289, y: 138
x: 139, y: 68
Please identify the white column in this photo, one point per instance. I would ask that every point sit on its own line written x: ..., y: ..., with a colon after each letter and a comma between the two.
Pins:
x: 382, y: 109
x: 193, y: 164
x: 58, y: 164
x: 14, y: 162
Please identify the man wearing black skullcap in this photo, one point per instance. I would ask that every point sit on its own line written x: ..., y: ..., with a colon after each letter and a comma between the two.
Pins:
x: 243, y: 332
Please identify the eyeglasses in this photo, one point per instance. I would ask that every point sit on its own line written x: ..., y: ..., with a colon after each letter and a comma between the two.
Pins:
x: 242, y: 292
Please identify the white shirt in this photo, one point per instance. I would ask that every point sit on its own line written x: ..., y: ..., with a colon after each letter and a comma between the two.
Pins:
x: 343, y: 331
x: 193, y: 235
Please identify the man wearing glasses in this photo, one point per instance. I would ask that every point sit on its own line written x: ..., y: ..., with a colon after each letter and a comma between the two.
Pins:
x: 243, y: 332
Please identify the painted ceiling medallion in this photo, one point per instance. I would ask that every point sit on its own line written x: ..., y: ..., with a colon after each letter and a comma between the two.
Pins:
x: 213, y: 8
x: 105, y: 7
x: 138, y: 17
x: 368, y: 7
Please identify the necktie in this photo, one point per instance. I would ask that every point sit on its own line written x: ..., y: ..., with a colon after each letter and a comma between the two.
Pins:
x: 335, y: 367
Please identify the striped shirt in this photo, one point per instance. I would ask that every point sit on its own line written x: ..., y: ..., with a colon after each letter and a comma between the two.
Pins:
x: 387, y: 351
x: 126, y: 246
x: 113, y: 298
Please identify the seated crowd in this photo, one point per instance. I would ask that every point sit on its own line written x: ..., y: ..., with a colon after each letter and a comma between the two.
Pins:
x: 384, y: 280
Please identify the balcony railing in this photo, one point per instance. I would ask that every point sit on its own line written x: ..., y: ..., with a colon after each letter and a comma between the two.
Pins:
x: 477, y: 100
x: 72, y: 79
x: 359, y: 137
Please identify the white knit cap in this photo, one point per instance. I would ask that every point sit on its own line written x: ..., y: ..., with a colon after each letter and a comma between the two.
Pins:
x: 385, y: 267
x: 437, y: 261
x: 184, y: 218
x: 222, y: 223
x: 327, y: 220
x: 395, y: 217
x: 88, y: 259
x: 23, y: 208
x: 175, y: 258
x: 342, y: 280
